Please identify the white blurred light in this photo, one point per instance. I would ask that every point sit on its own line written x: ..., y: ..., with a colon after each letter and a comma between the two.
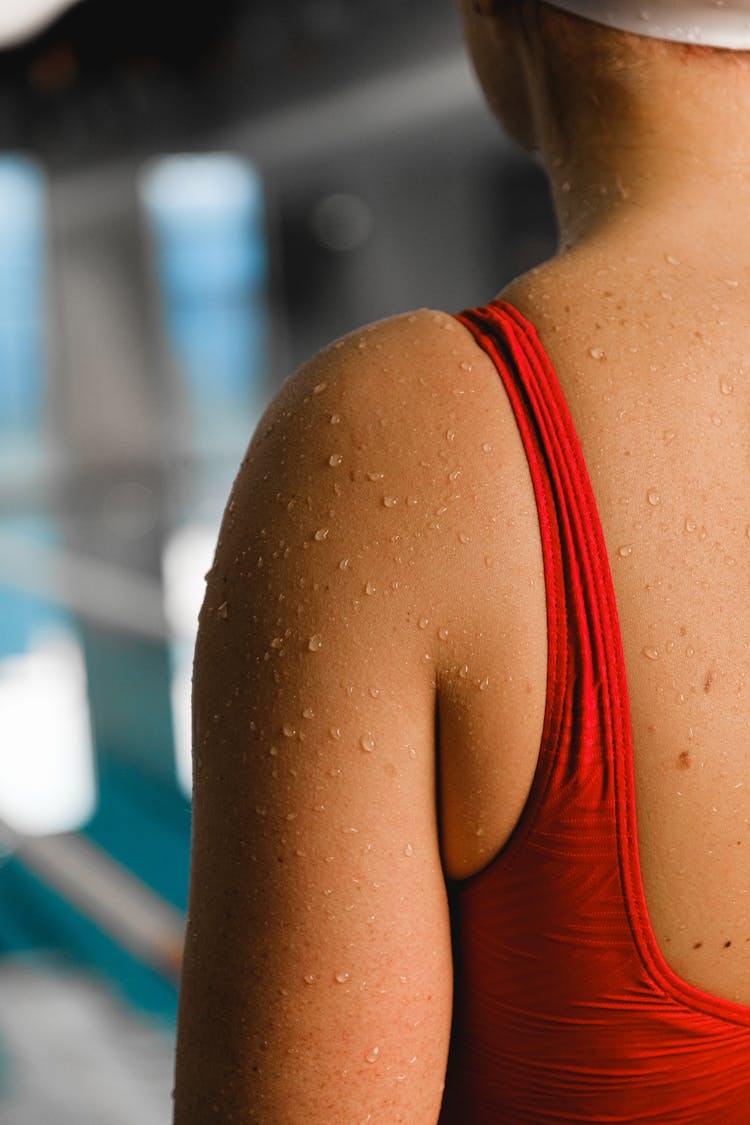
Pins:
x: 46, y: 754
x: 187, y: 555
x: 186, y: 558
x: 342, y: 222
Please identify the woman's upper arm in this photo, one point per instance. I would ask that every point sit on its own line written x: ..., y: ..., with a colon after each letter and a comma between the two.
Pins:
x: 317, y: 981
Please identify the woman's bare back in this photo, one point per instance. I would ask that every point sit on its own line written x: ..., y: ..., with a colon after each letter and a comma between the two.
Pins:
x: 650, y: 356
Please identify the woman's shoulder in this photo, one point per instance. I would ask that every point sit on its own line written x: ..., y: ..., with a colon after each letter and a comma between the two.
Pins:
x: 403, y: 424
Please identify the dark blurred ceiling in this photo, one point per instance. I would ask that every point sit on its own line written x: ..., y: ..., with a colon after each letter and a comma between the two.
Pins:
x: 117, y: 77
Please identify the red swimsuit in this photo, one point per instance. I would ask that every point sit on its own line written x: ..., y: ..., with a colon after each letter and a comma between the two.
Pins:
x: 565, y: 1009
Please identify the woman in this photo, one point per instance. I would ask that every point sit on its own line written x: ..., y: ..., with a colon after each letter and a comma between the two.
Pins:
x: 503, y: 558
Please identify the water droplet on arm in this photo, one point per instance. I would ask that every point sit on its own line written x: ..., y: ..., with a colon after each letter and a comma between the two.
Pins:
x: 653, y: 497
x: 315, y: 643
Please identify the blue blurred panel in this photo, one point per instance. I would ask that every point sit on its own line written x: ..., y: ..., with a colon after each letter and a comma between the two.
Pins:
x: 22, y: 310
x: 33, y: 917
x: 27, y: 616
x: 207, y: 218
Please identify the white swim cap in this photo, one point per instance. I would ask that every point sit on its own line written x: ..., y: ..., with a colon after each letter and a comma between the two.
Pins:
x: 22, y: 19
x: 713, y: 23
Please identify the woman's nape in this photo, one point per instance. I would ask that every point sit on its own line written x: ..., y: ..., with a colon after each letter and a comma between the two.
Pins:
x: 635, y: 134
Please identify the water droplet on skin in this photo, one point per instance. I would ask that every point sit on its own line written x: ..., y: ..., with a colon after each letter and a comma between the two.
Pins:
x: 322, y: 533
x: 450, y: 435
x: 367, y: 742
x: 670, y: 258
x: 412, y: 501
x: 350, y: 831
x: 443, y: 633
x: 277, y: 642
x: 650, y: 653
x: 690, y: 525
x: 390, y: 501
x: 343, y: 564
x: 596, y: 353
x: 465, y: 365
x: 291, y: 816
x: 375, y: 476
x: 729, y: 560
x: 341, y: 978
x: 625, y: 550
x: 464, y: 538
x: 423, y: 622
x: 335, y: 419
x: 484, y: 684
x: 372, y: 1055
x: 335, y: 459
x: 668, y: 436
x: 487, y: 447
x: 319, y: 388
x: 223, y: 611
x: 730, y: 281
x: 375, y: 692
x: 463, y: 671
x: 665, y: 295
x: 454, y: 475
x: 409, y: 850
x: 315, y: 643
x: 726, y: 387
x: 690, y: 651
x: 289, y: 730
x: 653, y: 497
x: 308, y: 713
x: 371, y: 588
x: 716, y: 419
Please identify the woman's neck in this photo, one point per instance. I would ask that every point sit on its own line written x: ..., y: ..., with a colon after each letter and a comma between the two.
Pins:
x: 657, y: 152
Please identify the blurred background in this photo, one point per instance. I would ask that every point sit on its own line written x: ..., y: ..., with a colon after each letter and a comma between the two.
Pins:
x: 193, y: 199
